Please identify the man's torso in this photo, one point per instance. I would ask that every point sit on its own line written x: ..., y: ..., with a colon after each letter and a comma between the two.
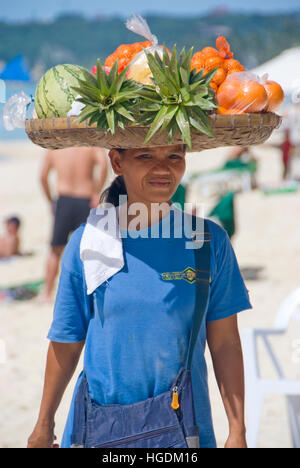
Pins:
x: 74, y: 170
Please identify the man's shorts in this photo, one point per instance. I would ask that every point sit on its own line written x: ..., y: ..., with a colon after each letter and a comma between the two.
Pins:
x: 69, y: 214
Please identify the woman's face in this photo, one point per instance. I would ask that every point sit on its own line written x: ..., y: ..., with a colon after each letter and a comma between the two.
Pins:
x: 150, y: 174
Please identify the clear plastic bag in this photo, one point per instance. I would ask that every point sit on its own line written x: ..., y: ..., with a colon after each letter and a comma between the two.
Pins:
x: 240, y: 93
x: 138, y: 67
x: 76, y: 107
x: 14, y: 113
x: 2, y: 92
x: 246, y: 92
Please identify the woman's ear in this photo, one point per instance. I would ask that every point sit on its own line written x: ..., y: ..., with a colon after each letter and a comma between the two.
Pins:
x: 116, y: 161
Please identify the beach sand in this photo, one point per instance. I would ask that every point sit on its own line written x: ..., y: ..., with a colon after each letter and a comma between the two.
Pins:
x: 268, y: 251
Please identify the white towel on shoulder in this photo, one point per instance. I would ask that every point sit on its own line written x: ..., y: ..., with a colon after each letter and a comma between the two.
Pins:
x: 101, y: 248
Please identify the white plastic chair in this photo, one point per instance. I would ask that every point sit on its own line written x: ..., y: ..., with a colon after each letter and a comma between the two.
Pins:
x: 256, y: 387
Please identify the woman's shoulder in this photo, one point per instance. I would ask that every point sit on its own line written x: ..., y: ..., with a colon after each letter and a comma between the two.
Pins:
x: 219, y: 239
x: 71, y: 257
x: 217, y: 232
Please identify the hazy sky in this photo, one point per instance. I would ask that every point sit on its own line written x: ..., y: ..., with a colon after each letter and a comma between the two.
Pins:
x: 22, y: 10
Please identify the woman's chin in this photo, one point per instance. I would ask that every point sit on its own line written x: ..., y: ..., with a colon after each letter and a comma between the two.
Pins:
x: 159, y: 198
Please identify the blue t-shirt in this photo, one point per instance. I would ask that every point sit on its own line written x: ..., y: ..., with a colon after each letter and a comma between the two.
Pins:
x: 137, y: 324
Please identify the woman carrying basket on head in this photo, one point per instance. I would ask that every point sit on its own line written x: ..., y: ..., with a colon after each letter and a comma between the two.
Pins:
x: 145, y: 293
x: 135, y: 297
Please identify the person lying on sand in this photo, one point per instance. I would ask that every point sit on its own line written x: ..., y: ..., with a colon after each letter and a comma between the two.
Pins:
x: 10, y: 242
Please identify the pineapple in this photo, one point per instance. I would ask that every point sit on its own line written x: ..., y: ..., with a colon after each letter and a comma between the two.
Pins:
x: 179, y: 98
x: 108, y: 99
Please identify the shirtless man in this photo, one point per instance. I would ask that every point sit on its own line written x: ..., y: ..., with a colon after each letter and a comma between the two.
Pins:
x: 9, y: 243
x: 78, y: 191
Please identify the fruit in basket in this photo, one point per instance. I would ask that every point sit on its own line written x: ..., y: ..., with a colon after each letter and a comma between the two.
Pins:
x: 180, y: 99
x: 222, y: 110
x: 208, y: 52
x: 198, y: 61
x: 232, y: 64
x: 54, y: 95
x: 220, y: 76
x: 94, y: 70
x: 125, y: 53
x: 108, y: 98
x: 214, y: 86
x: 139, y: 70
x: 213, y: 62
x: 220, y: 58
x: 242, y: 92
x: 275, y: 95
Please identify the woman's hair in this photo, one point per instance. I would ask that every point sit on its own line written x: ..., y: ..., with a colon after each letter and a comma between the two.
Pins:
x: 116, y: 188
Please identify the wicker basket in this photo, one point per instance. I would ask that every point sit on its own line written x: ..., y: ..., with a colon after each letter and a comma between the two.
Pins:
x: 229, y: 130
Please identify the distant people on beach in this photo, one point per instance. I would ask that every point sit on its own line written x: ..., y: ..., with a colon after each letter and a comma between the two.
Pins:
x: 241, y: 157
x: 287, y: 149
x: 241, y: 153
x: 10, y: 242
x: 78, y: 191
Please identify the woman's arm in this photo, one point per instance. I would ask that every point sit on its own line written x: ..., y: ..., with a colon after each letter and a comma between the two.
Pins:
x: 225, y: 348
x: 61, y: 363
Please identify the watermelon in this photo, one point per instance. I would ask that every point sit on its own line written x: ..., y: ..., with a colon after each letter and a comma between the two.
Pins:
x: 54, y: 95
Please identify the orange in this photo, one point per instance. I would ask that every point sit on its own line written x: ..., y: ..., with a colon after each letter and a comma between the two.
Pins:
x: 198, y: 61
x: 124, y: 50
x: 197, y: 66
x: 213, y: 62
x: 139, y: 46
x: 123, y: 62
x: 110, y: 60
x: 246, y: 96
x: 125, y: 53
x: 219, y: 76
x: 229, y: 64
x: 214, y: 86
x: 209, y: 52
x: 204, y: 71
x: 275, y: 95
x: 222, y: 110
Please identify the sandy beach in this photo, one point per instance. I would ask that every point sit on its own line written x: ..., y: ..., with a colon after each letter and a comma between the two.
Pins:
x: 268, y: 251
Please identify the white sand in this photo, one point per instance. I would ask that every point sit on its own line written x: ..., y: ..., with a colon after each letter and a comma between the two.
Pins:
x: 267, y: 238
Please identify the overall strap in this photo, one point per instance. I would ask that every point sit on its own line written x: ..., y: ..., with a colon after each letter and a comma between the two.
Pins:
x: 202, y: 278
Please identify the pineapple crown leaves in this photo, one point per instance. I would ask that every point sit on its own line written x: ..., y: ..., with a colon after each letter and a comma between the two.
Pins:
x: 179, y: 99
x: 108, y: 98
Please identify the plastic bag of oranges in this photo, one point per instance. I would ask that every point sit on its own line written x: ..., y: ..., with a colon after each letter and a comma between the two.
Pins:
x: 219, y: 59
x: 138, y: 67
x: 245, y: 92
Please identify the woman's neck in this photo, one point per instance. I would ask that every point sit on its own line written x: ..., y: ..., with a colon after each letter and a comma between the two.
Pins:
x: 140, y: 215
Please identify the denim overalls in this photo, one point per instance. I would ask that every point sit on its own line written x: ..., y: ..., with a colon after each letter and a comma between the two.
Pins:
x: 163, y: 421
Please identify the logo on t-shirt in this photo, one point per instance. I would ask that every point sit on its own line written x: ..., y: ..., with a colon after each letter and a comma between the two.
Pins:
x: 189, y: 275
